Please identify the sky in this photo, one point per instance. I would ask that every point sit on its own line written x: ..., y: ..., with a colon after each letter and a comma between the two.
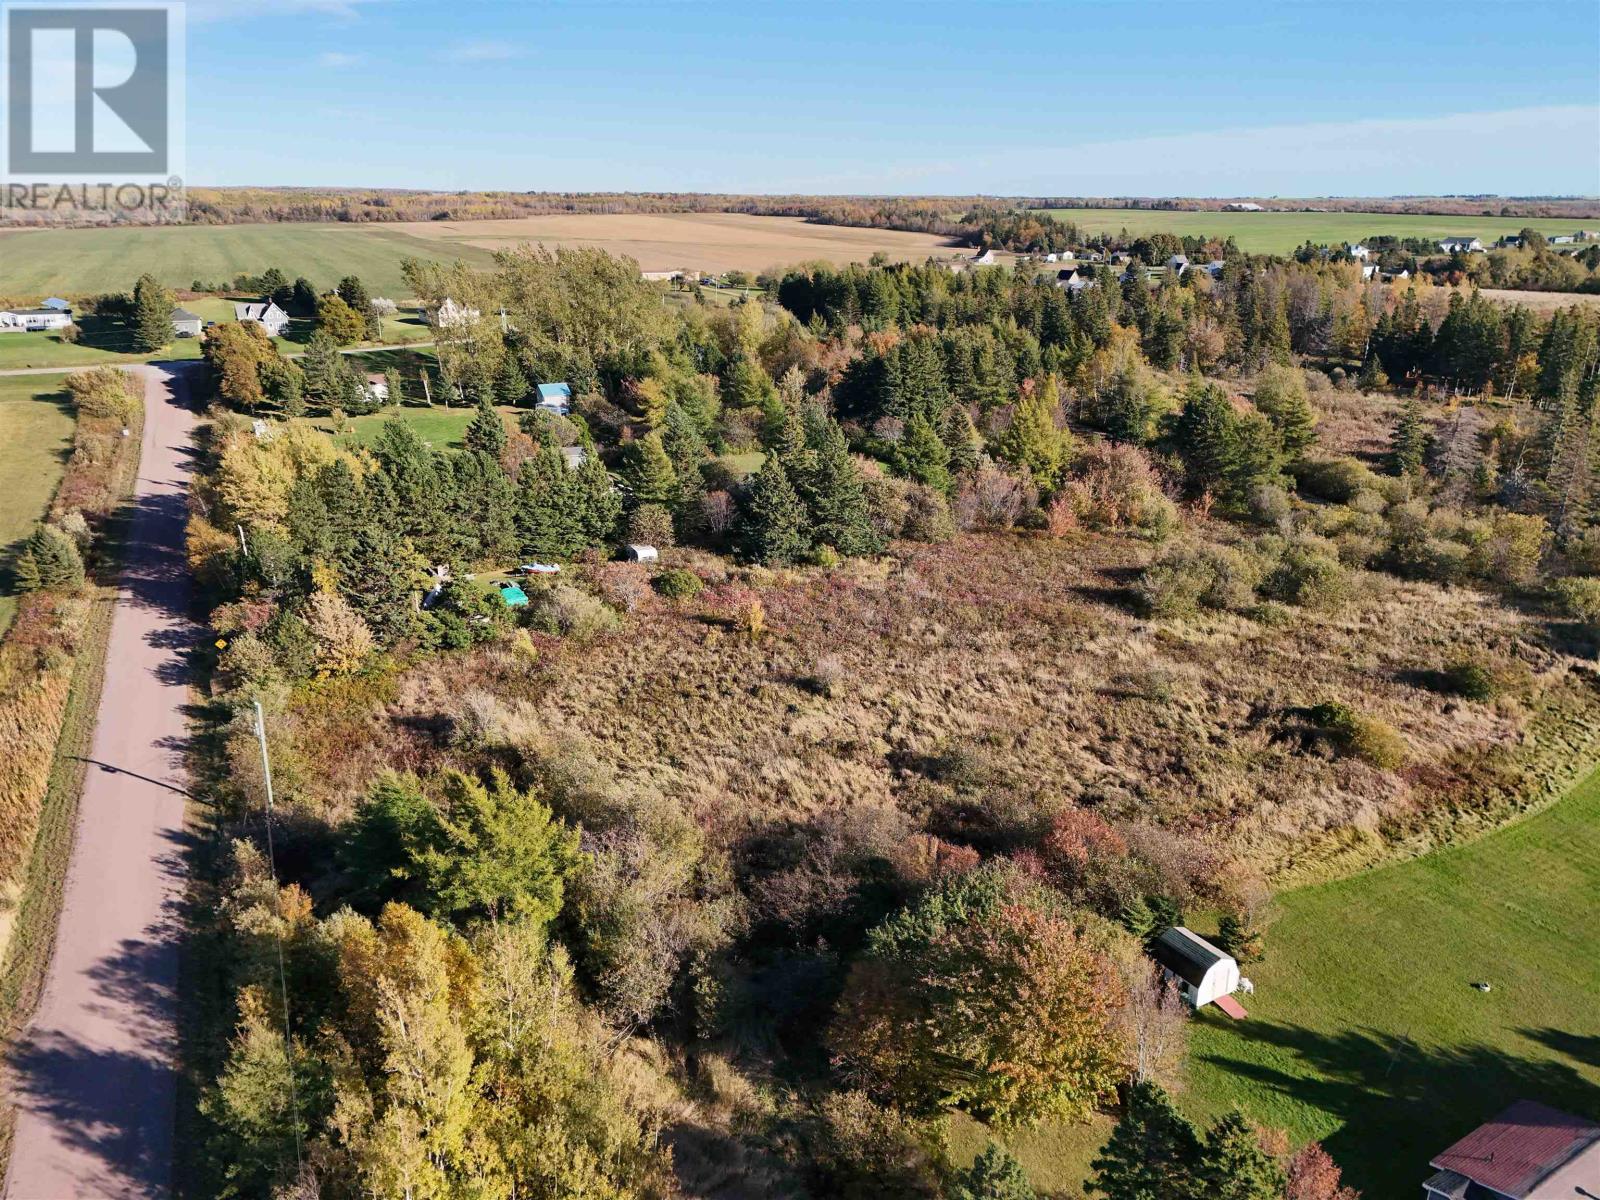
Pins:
x: 1075, y: 97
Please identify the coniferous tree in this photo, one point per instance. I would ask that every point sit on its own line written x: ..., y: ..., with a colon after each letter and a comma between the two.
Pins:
x: 548, y: 507
x: 1281, y: 397
x: 840, y: 514
x: 396, y: 385
x: 598, y: 505
x: 1152, y: 1154
x: 922, y: 454
x: 961, y: 438
x: 511, y: 383
x: 1239, y: 937
x: 770, y: 528
x: 152, y: 314
x: 486, y: 433
x: 1233, y: 1166
x: 1409, y: 441
x: 648, y: 472
x: 325, y: 372
x: 993, y: 1175
x: 49, y: 559
x: 1033, y: 441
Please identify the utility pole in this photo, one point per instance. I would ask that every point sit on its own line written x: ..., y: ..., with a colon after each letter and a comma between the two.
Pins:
x: 283, y: 979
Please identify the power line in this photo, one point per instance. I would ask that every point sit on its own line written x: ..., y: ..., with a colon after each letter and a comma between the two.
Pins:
x: 283, y: 980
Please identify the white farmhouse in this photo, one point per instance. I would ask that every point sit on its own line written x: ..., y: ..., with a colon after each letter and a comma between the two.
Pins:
x: 264, y: 313
x: 1357, y: 251
x: 1204, y: 974
x: 31, y: 320
x: 186, y: 323
x: 1465, y: 243
x: 983, y: 258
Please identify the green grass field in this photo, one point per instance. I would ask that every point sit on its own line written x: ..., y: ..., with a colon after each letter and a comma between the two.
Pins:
x: 74, y: 262
x: 1280, y: 233
x: 442, y: 428
x: 36, y: 424
x: 1365, y: 1031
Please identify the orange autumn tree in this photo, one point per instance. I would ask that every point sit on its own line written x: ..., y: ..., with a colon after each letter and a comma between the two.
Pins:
x: 986, y: 996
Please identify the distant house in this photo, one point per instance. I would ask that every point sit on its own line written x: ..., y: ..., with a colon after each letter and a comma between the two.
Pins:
x: 376, y: 388
x: 1555, y: 239
x: 264, y: 313
x: 1214, y: 269
x: 661, y: 276
x: 1121, y: 256
x: 1074, y: 280
x: 554, y: 398
x: 1465, y: 243
x: 1178, y: 263
x: 1052, y: 257
x: 1368, y: 270
x: 450, y: 315
x: 31, y: 320
x: 186, y: 323
x: 1391, y: 276
x: 1241, y: 206
x: 1357, y: 251
x: 1588, y: 235
x: 57, y: 303
x: 574, y: 456
x: 983, y: 258
x: 639, y: 552
x: 1528, y: 1152
x: 1204, y: 974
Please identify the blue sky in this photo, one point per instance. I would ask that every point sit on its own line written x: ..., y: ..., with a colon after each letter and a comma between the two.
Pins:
x: 1181, y: 97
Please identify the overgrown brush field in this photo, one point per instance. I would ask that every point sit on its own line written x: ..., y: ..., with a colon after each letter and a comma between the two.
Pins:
x: 992, y: 679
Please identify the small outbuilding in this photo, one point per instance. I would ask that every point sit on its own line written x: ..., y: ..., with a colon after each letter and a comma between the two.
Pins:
x: 554, y: 398
x: 512, y: 594
x: 186, y: 323
x: 639, y: 552
x: 1203, y: 973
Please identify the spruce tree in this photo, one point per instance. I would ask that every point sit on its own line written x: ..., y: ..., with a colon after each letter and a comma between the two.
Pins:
x: 510, y: 381
x: 648, y: 472
x: 486, y: 433
x: 771, y: 522
x: 324, y: 371
x: 1233, y: 1166
x: 961, y: 438
x: 598, y: 505
x: 993, y: 1175
x: 840, y: 515
x: 152, y: 314
x: 1152, y: 1154
x: 1033, y: 442
x: 1281, y: 397
x: 923, y: 456
x: 1409, y: 441
x: 49, y: 559
x: 548, y: 508
x: 396, y: 384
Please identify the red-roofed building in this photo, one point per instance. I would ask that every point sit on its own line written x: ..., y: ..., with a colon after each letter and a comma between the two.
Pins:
x: 1528, y: 1152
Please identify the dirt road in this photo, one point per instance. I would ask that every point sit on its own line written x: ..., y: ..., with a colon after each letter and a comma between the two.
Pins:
x: 94, y: 1076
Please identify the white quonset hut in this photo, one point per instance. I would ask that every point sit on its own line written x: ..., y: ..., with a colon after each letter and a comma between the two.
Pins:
x: 1202, y: 972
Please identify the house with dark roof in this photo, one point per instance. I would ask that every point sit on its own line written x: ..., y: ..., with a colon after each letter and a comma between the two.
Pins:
x: 1204, y: 974
x: 1528, y: 1152
x: 186, y: 323
x: 1464, y: 242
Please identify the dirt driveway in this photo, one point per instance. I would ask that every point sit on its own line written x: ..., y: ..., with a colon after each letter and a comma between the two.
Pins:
x: 94, y: 1077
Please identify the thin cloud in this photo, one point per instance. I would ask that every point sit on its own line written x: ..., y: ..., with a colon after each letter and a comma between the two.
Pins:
x: 242, y: 10
x: 1522, y: 151
x: 482, y: 50
x: 337, y: 59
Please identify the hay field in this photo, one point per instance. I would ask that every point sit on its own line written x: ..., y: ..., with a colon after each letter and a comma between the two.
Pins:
x: 702, y: 241
x: 76, y: 262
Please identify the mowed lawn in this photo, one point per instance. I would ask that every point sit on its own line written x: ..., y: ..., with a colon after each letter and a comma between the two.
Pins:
x: 442, y: 428
x: 1365, y: 1031
x: 36, y: 423
x: 1281, y: 233
x: 74, y: 262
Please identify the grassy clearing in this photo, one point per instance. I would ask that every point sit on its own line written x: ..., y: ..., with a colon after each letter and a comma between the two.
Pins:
x: 1280, y: 233
x: 1055, y: 1156
x: 36, y: 423
x: 440, y: 427
x: 1365, y: 1031
x: 87, y: 261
